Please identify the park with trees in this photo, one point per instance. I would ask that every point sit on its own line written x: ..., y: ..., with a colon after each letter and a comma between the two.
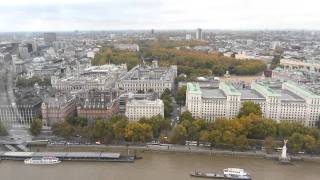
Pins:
x: 190, y: 62
x: 23, y: 82
x: 117, y: 129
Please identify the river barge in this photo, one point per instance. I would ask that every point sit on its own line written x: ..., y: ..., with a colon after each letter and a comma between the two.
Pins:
x: 229, y: 173
x: 68, y: 156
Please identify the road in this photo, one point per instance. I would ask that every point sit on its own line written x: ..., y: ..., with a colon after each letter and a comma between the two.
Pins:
x: 175, y: 112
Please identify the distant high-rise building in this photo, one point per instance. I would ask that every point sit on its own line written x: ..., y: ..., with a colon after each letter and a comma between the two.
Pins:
x: 199, y: 34
x: 24, y: 50
x: 152, y: 31
x: 188, y: 36
x: 275, y: 45
x: 49, y: 37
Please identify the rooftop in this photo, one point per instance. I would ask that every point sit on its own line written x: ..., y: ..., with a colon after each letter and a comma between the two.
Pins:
x: 299, y: 89
x: 289, y: 96
x: 63, y: 154
x: 250, y: 94
x: 193, y: 88
x: 149, y: 73
x: 212, y: 93
x: 264, y: 89
x: 229, y: 89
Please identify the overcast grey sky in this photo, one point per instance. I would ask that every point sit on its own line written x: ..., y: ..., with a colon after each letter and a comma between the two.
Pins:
x: 61, y: 15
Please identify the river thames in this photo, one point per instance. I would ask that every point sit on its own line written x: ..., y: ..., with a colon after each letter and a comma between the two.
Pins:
x: 159, y: 166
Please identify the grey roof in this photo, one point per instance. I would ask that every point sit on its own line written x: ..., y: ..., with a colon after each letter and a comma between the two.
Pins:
x: 58, y: 100
x: 250, y: 94
x: 212, y: 93
x: 63, y: 154
x: 289, y: 96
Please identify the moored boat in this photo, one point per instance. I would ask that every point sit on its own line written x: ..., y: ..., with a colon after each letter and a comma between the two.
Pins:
x: 42, y: 160
x: 236, y: 173
x: 229, y: 173
x: 206, y: 175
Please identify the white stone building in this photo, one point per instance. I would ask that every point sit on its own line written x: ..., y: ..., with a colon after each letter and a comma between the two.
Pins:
x: 298, y: 64
x: 139, y: 108
x: 128, y: 47
x: 291, y: 103
x: 93, y: 77
x: 145, y: 78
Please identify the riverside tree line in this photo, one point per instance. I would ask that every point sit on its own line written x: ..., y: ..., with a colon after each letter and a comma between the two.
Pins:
x: 248, y: 130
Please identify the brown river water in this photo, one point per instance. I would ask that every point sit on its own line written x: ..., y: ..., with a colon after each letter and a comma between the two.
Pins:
x: 159, y: 166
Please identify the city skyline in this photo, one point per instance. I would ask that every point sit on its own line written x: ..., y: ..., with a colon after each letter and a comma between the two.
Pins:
x: 36, y: 15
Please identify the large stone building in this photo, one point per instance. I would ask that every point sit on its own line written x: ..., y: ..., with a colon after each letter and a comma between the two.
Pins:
x: 56, y: 109
x: 145, y: 78
x: 298, y: 64
x: 127, y: 47
x: 96, y: 104
x: 143, y: 105
x: 291, y: 102
x: 93, y: 77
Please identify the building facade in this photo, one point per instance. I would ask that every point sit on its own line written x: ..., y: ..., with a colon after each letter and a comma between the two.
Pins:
x: 296, y: 64
x: 199, y: 34
x: 56, y: 109
x: 145, y: 78
x: 96, y: 104
x: 93, y: 77
x: 291, y: 102
x: 138, y: 108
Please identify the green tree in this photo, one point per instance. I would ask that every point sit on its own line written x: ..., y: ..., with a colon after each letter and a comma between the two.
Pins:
x: 181, y: 96
x: 186, y: 116
x: 179, y: 134
x: 157, y: 123
x: 249, y: 107
x: 138, y: 132
x: 204, y: 136
x: 228, y: 137
x: 310, y: 143
x: 261, y: 128
x: 269, y: 144
x: 3, y: 130
x: 166, y: 92
x: 119, y: 128
x: 24, y: 82
x: 35, y: 127
x: 242, y: 142
x: 77, y: 121
x: 194, y: 128
x: 215, y: 137
x: 286, y: 129
x: 63, y: 129
x: 99, y: 130
x: 167, y: 101
x: 275, y: 61
x: 296, y: 142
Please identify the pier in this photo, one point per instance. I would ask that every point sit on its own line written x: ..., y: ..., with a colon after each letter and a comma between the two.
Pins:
x: 69, y: 156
